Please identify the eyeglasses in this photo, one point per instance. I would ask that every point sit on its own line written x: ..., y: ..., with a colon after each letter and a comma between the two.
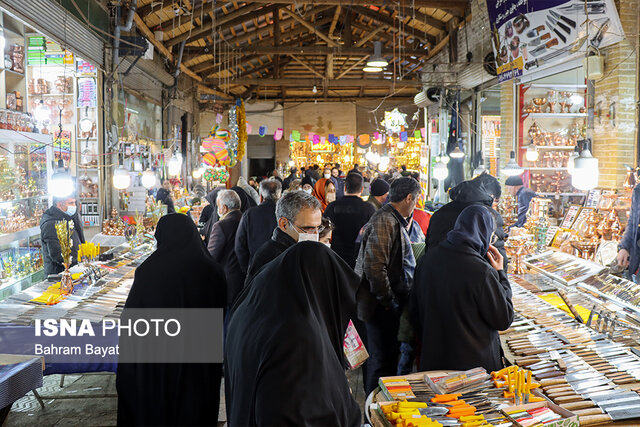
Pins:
x: 494, y: 238
x: 308, y: 230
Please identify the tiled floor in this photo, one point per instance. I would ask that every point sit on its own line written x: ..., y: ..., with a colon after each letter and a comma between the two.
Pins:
x: 91, y: 400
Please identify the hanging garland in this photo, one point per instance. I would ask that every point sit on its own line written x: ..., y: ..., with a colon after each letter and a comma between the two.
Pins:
x: 242, y: 130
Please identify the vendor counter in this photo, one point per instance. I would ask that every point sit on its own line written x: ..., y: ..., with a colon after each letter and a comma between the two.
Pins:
x: 96, y: 296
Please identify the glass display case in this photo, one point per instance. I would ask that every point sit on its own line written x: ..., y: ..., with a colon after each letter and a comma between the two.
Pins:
x: 24, y: 173
x: 63, y: 92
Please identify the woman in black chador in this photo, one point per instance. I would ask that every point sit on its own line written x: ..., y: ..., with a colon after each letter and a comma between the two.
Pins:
x: 179, y: 274
x: 461, y: 297
x: 284, y: 360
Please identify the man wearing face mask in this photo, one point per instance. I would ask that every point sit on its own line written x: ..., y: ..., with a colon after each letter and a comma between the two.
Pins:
x: 338, y: 182
x: 299, y: 218
x: 221, y: 244
x: 64, y: 209
x: 386, y: 265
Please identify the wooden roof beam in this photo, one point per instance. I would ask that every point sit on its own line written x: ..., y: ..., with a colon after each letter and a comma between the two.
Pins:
x: 309, y: 26
x: 380, y: 83
x: 457, y: 5
x: 322, y: 50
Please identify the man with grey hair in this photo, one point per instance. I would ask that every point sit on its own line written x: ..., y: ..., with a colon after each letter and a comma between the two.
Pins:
x: 257, y: 223
x: 222, y: 241
x: 299, y: 218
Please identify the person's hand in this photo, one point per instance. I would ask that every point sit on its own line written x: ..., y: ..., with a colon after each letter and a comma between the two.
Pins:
x: 495, y: 258
x: 623, y: 258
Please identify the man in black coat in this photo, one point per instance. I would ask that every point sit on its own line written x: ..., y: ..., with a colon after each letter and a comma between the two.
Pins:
x: 62, y: 210
x: 349, y: 214
x: 222, y: 241
x: 484, y: 190
x: 299, y: 218
x: 293, y: 175
x: 257, y: 224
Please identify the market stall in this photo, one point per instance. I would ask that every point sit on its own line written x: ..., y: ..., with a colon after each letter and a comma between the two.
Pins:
x: 99, y: 291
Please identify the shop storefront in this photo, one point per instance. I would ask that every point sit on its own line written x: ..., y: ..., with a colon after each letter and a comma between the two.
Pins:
x: 51, y: 112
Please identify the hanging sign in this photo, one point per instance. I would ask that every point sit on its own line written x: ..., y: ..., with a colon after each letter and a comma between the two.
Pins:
x: 528, y: 35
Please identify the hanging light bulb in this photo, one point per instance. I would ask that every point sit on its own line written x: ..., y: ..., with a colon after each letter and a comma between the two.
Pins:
x: 384, y: 163
x: 175, y: 164
x: 457, y: 153
x: 444, y: 159
x: 137, y: 165
x: 41, y: 112
x: 572, y: 159
x: 440, y: 171
x: 512, y: 168
x: 532, y: 152
x: 61, y: 183
x: 480, y: 169
x: 197, y: 173
x: 377, y: 60
x: 315, y: 89
x: 148, y: 178
x: 585, y: 172
x: 121, y: 178
x: 368, y: 69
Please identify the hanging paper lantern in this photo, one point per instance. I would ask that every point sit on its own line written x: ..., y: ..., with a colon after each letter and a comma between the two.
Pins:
x: 262, y: 131
x: 295, y: 135
x: 218, y: 118
x: 333, y: 139
x: 315, y: 139
x: 423, y: 131
x: 278, y: 135
x: 416, y: 134
x: 350, y: 139
x: 364, y: 141
x: 222, y: 134
x: 212, y: 144
x: 209, y: 175
x: 249, y: 127
x: 343, y: 139
x: 403, y: 136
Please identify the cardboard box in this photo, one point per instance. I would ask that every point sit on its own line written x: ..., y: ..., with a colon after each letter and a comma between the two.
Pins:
x: 569, y: 419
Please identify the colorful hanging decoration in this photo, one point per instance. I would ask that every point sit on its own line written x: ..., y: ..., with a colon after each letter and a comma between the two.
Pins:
x: 243, y: 127
x: 218, y: 118
x: 279, y: 134
x: 249, y: 127
x: 295, y: 135
x: 262, y: 131
x: 403, y: 136
x: 416, y: 134
x: 216, y: 174
x: 222, y: 134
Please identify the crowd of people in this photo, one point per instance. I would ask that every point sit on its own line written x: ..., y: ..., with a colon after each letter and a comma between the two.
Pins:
x: 294, y: 262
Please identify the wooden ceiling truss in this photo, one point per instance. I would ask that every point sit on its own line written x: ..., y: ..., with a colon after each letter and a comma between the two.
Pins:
x: 281, y: 50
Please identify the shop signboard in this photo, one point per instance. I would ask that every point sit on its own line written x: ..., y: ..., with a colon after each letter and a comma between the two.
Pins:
x: 531, y: 35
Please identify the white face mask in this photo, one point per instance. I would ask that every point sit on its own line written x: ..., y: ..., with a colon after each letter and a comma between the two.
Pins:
x: 220, y: 214
x: 71, y: 210
x: 308, y: 190
x: 303, y: 237
x: 331, y: 197
x: 327, y: 175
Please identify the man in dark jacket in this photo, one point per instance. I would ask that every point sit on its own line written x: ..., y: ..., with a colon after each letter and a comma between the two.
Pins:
x: 62, y: 210
x: 385, y: 264
x: 257, y: 224
x: 378, y: 193
x: 222, y: 241
x: 628, y: 250
x: 483, y: 189
x: 523, y: 196
x: 299, y: 218
x: 287, y: 181
x: 338, y: 182
x: 349, y: 214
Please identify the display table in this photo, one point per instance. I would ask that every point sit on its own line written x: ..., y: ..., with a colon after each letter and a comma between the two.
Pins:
x: 19, y: 375
x: 105, y: 298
